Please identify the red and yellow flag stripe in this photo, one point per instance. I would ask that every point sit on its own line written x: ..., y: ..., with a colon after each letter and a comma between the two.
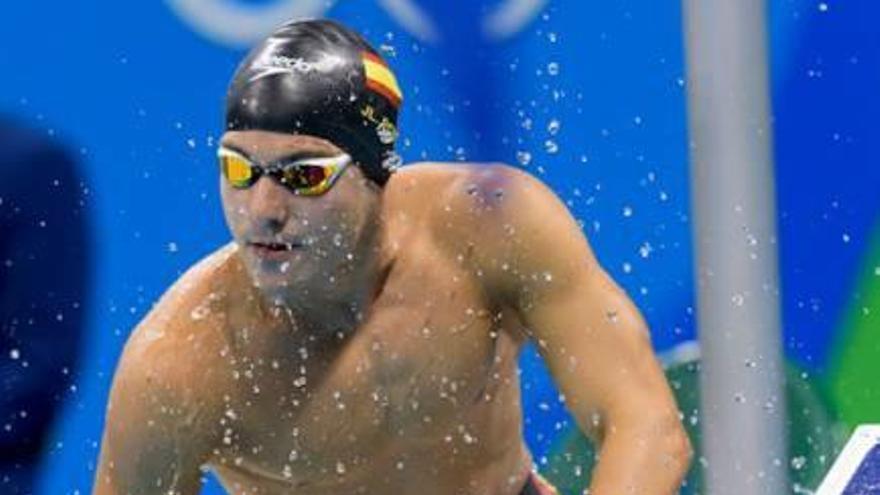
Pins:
x: 380, y: 78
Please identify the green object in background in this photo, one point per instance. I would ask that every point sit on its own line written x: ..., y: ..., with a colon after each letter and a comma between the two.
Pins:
x: 854, y: 376
x: 814, y: 437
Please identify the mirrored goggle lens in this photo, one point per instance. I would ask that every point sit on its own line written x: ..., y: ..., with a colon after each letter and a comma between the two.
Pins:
x: 237, y: 170
x: 305, y: 177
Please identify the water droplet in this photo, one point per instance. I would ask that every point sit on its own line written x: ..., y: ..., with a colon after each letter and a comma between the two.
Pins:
x: 553, y: 127
x: 14, y: 354
x: 199, y: 312
x: 823, y: 7
x: 388, y: 50
x: 523, y: 157
x: 551, y: 147
x: 627, y: 211
x: 553, y: 68
x: 392, y: 162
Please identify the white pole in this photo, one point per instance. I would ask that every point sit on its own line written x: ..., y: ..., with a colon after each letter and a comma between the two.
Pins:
x: 735, y: 242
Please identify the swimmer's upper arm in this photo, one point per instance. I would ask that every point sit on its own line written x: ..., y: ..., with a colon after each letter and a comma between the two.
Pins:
x: 532, y: 254
x: 152, y: 442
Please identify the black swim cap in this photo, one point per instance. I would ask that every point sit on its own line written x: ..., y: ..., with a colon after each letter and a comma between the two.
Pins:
x: 320, y: 78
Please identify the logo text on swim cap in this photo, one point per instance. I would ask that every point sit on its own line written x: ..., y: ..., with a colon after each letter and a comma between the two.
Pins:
x: 282, y: 64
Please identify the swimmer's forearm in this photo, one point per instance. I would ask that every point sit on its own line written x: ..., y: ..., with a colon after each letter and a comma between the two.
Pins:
x: 650, y: 458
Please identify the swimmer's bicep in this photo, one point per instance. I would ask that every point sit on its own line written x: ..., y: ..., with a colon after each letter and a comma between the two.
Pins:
x: 598, y: 350
x: 134, y: 468
x: 586, y: 328
x: 145, y: 446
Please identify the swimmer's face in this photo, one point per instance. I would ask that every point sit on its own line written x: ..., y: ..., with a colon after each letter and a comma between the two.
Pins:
x: 295, y: 244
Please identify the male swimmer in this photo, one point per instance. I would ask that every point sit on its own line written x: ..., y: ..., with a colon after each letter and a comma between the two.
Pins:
x: 360, y: 334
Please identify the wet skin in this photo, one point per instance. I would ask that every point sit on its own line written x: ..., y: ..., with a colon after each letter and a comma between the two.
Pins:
x: 378, y: 352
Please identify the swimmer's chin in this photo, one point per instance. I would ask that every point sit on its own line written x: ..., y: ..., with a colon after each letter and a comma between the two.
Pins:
x: 272, y: 281
x: 277, y: 284
x: 278, y: 294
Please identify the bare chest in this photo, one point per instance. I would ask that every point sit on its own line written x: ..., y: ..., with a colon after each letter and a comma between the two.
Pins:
x: 426, y: 372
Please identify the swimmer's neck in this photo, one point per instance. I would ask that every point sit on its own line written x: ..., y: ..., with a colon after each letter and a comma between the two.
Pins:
x: 321, y: 317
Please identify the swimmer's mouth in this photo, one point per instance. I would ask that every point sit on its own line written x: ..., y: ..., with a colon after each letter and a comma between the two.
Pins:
x: 275, y: 246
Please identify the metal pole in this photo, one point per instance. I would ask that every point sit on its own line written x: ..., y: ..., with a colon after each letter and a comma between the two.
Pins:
x: 734, y: 215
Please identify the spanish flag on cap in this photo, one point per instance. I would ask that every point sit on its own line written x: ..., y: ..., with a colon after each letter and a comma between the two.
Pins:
x: 380, y: 78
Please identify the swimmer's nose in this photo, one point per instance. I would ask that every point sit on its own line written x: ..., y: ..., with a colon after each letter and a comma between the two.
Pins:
x: 269, y: 204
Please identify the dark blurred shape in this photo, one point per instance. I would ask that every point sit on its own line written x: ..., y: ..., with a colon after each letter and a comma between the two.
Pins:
x: 44, y: 270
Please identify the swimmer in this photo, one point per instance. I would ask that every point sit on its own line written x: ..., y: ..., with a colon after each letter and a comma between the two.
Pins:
x: 360, y: 333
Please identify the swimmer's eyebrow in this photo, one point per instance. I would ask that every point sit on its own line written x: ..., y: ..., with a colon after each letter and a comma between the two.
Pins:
x: 282, y: 157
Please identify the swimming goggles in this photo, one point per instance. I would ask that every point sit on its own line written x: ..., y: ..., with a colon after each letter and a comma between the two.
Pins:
x: 304, y: 176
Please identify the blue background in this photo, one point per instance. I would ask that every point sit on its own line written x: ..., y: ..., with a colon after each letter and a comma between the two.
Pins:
x: 137, y: 94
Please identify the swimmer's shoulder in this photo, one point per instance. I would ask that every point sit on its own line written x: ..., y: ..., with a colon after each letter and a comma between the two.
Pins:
x: 459, y: 199
x: 489, y: 215
x: 189, y: 299
x: 182, y: 334
x: 441, y: 188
